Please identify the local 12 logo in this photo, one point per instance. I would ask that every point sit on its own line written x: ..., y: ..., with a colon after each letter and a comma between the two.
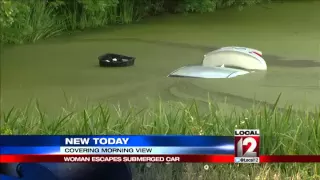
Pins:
x: 247, y: 142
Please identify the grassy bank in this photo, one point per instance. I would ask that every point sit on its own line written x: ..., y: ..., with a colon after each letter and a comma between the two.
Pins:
x: 286, y: 132
x: 31, y: 20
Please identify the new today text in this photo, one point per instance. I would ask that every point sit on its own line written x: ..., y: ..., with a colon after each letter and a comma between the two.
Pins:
x: 96, y: 141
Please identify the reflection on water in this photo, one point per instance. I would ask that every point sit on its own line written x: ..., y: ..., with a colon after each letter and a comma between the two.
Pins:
x: 271, y: 60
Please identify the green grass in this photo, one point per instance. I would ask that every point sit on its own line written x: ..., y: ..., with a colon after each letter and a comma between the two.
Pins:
x: 34, y: 21
x: 126, y: 8
x: 286, y: 132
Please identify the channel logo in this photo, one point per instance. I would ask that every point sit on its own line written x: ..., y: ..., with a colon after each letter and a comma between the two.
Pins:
x: 247, y: 143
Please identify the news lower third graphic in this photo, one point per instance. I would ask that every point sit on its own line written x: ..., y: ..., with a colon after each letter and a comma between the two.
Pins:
x: 247, y: 144
x: 104, y: 149
x: 243, y: 147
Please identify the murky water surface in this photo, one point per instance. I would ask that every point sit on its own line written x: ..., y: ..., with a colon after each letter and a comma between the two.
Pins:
x: 287, y: 34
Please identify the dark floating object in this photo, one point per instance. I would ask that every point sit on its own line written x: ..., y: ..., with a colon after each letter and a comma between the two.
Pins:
x: 115, y: 60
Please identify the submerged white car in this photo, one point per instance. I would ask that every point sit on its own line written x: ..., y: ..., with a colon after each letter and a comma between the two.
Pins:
x: 226, y: 62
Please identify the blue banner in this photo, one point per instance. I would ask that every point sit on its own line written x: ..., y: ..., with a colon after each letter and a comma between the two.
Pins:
x: 29, y: 149
x: 154, y: 150
x: 112, y: 140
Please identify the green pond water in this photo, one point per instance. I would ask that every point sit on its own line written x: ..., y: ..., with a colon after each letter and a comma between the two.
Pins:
x: 288, y: 34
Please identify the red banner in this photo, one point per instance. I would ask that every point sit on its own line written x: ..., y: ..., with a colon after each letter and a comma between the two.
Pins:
x: 149, y: 158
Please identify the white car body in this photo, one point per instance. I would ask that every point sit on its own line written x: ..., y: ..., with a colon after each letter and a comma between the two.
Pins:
x: 226, y: 62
